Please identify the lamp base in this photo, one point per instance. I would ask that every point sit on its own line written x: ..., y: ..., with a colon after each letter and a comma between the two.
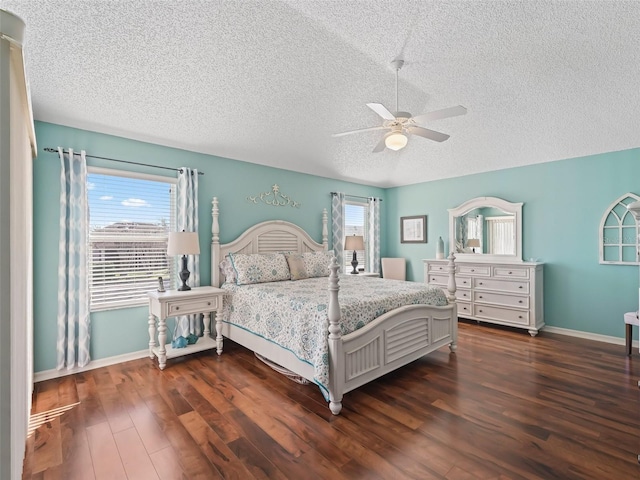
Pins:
x: 184, y: 275
x: 354, y: 263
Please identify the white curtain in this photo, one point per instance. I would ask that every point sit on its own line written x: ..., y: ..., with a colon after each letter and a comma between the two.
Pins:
x: 73, y: 288
x: 373, y: 231
x: 187, y: 220
x: 502, y: 235
x: 337, y: 227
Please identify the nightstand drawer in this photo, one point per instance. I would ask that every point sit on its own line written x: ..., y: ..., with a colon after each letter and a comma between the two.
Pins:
x: 186, y: 307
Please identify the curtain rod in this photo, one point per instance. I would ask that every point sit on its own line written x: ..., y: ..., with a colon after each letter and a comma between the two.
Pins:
x: 357, y: 196
x: 54, y: 150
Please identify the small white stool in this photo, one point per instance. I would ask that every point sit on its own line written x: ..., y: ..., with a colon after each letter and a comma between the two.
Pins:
x: 630, y: 319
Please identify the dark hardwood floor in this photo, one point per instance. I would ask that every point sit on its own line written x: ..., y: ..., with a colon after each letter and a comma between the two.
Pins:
x: 505, y: 406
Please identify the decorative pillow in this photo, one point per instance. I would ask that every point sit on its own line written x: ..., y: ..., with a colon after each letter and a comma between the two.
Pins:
x: 259, y: 268
x: 309, y: 264
x: 226, y: 268
x: 297, y: 266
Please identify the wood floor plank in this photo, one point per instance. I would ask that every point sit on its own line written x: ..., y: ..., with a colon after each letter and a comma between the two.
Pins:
x: 104, y: 453
x: 167, y: 465
x: 137, y: 463
x: 47, y: 447
x: 76, y: 454
x: 505, y: 406
x: 216, y: 450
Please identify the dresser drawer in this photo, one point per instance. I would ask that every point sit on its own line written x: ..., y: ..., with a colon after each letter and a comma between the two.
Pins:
x: 475, y: 270
x: 185, y: 307
x: 438, y: 268
x: 501, y: 299
x: 501, y: 285
x: 519, y: 317
x: 464, y: 309
x: 438, y: 279
x: 463, y: 295
x: 510, y: 272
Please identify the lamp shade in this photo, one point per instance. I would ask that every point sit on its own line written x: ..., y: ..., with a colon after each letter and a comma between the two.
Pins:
x: 473, y: 242
x: 354, y: 242
x: 396, y: 141
x: 183, y: 243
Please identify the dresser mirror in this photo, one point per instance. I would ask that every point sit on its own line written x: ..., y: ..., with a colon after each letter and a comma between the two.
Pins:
x: 486, y: 229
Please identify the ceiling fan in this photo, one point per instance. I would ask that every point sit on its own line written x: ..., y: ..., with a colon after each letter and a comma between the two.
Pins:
x: 402, y: 124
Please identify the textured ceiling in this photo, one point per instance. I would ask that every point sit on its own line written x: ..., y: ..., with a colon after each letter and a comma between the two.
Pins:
x: 268, y: 82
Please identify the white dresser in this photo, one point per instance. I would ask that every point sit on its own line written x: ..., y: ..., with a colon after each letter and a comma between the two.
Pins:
x: 504, y: 293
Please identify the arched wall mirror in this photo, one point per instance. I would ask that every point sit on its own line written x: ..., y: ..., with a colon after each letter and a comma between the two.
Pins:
x: 486, y: 229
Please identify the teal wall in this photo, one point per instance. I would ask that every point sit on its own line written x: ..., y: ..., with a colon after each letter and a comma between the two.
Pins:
x: 564, y: 202
x: 123, y: 331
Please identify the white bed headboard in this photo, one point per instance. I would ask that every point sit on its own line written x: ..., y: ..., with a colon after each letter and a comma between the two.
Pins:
x: 266, y: 237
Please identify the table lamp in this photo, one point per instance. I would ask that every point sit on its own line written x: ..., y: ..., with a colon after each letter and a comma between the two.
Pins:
x: 183, y: 243
x: 354, y: 242
x: 473, y: 243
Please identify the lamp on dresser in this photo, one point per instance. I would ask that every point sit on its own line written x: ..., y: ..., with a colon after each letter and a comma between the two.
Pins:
x: 183, y: 243
x: 354, y: 242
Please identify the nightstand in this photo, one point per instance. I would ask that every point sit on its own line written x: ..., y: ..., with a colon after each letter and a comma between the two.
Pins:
x: 173, y: 303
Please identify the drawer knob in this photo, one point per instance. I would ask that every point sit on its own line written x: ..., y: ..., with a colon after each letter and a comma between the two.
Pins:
x: 480, y: 311
x: 479, y: 296
x: 208, y: 303
x: 520, y: 286
x: 177, y: 308
x: 519, y: 301
x: 510, y: 273
x: 479, y: 283
x: 519, y: 316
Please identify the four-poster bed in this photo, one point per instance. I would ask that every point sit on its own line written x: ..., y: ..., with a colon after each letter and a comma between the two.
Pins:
x: 356, y: 352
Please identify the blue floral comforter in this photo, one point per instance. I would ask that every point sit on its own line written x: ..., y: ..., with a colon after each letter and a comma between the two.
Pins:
x: 293, y: 314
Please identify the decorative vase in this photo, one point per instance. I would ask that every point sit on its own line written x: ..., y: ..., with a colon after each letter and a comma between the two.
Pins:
x: 440, y: 249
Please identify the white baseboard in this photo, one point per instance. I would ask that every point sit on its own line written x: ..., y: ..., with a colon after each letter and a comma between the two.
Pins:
x: 589, y: 336
x: 103, y: 362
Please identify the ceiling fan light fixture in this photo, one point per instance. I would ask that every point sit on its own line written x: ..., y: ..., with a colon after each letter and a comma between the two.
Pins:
x: 396, y: 141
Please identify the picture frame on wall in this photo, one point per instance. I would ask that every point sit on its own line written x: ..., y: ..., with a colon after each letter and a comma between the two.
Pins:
x: 413, y: 229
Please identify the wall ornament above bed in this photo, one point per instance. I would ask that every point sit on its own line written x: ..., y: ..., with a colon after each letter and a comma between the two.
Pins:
x: 274, y: 198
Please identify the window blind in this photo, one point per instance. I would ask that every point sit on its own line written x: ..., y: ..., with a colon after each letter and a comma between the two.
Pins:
x: 355, y: 215
x: 129, y: 222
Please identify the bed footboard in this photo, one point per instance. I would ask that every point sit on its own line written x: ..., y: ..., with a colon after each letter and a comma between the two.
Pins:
x: 389, y: 342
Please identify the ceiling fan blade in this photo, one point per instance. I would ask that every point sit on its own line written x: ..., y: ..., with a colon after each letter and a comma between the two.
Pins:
x: 381, y: 110
x: 439, y: 114
x: 357, y: 131
x: 426, y: 133
x: 381, y: 145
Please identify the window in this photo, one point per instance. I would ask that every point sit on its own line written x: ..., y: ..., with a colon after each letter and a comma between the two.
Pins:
x: 355, y: 223
x: 502, y: 235
x: 130, y: 217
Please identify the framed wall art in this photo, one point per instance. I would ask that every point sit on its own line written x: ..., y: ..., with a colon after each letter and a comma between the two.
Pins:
x: 413, y: 229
